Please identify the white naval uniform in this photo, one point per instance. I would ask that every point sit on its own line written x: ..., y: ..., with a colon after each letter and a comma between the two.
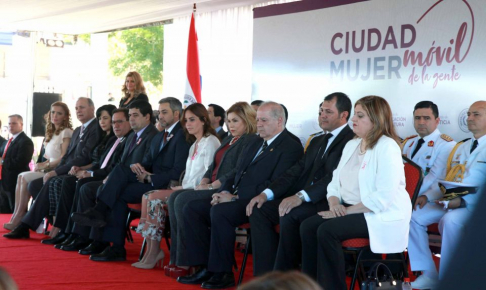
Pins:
x: 452, y: 223
x: 432, y: 158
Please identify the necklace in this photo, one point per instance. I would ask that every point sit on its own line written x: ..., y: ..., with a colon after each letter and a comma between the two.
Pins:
x: 359, y: 147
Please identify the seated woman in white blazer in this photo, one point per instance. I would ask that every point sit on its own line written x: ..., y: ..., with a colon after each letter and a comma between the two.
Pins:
x: 367, y: 198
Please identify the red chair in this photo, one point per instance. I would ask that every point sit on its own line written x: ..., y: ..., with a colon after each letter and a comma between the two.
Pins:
x: 413, y: 178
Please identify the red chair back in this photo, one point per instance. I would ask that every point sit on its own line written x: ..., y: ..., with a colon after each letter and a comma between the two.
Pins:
x: 413, y: 178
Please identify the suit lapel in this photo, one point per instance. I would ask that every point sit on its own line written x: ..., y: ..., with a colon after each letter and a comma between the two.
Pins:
x: 74, y: 140
x: 268, y: 151
x: 171, y: 135
x: 337, y: 140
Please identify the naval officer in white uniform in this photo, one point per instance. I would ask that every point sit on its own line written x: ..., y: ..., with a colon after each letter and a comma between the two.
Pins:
x: 429, y: 149
x: 453, y: 219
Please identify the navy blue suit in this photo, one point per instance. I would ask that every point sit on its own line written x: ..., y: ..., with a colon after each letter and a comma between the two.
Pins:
x: 212, y: 228
x: 122, y: 186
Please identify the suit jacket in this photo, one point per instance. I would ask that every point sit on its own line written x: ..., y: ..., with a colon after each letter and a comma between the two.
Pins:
x: 227, y: 167
x: 167, y: 164
x: 17, y: 159
x: 381, y: 181
x: 222, y: 134
x: 141, y: 149
x: 80, y: 147
x: 253, y: 176
x: 297, y: 139
x: 101, y: 173
x: 296, y: 178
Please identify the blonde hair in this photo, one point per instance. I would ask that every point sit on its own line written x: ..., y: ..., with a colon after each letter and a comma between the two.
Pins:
x: 139, y: 86
x: 246, y: 113
x: 293, y: 280
x: 380, y: 115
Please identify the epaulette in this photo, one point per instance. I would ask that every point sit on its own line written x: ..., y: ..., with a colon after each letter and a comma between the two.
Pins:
x: 408, y: 138
x: 405, y: 141
x: 453, y: 152
x: 446, y: 137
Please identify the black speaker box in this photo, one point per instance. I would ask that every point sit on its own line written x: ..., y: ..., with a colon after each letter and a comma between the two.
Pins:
x: 41, y: 106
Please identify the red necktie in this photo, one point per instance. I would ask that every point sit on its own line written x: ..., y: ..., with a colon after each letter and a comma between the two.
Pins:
x: 4, y: 153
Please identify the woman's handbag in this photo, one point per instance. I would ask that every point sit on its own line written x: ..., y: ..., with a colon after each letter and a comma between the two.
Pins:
x: 373, y: 282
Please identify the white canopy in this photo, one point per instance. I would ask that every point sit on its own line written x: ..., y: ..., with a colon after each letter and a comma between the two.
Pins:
x: 90, y: 16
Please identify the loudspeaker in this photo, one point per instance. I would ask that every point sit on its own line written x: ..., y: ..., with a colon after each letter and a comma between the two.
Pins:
x: 41, y: 106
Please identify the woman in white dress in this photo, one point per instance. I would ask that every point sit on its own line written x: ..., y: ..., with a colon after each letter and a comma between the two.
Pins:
x: 58, y: 135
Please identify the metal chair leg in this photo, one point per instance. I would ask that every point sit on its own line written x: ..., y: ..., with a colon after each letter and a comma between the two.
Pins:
x: 356, y: 269
x: 144, y: 244
x: 245, y: 256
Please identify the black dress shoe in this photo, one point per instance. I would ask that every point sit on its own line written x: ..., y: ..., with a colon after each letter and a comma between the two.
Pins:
x: 89, y: 218
x: 110, y: 254
x: 95, y: 247
x: 66, y: 242
x: 77, y: 244
x: 61, y: 237
x: 202, y: 275
x: 20, y: 232
x: 220, y: 281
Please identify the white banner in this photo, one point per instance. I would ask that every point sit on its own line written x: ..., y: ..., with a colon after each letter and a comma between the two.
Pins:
x: 403, y: 50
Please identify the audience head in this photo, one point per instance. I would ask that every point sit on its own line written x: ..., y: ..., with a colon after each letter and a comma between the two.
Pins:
x: 256, y: 104
x: 120, y: 122
x: 282, y: 281
x: 196, y: 122
x: 170, y: 111
x: 6, y: 281
x: 476, y: 119
x: 58, y: 119
x: 270, y: 120
x: 335, y: 111
x: 319, y: 116
x: 373, y: 119
x: 216, y: 115
x: 84, y: 109
x: 425, y: 118
x: 133, y: 83
x: 104, y: 114
x: 140, y: 115
x: 15, y: 124
x: 241, y: 119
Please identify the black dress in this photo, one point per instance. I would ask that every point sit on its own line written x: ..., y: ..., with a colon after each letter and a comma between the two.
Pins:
x: 141, y: 97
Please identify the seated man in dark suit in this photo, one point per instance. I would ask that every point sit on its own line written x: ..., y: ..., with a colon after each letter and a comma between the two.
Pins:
x: 216, y: 116
x: 140, y: 121
x: 303, y: 189
x: 210, y: 224
x: 16, y: 156
x: 286, y: 119
x: 99, y: 171
x: 84, y: 139
x: 126, y: 184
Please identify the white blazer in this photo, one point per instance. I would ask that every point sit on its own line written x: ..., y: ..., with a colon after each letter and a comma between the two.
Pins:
x: 198, y: 164
x: 382, y: 190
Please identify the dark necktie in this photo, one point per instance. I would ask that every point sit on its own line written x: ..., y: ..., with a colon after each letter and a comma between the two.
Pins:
x: 134, y: 140
x: 419, y: 144
x: 164, y: 140
x: 264, y: 146
x: 325, y: 141
x: 475, y: 144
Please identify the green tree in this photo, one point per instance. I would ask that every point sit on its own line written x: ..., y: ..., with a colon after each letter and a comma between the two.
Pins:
x: 138, y: 49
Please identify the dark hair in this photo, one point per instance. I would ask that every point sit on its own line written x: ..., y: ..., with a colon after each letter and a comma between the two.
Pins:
x: 109, y: 109
x: 427, y: 105
x: 175, y: 104
x: 144, y: 108
x: 121, y: 110
x: 256, y: 103
x: 285, y: 112
x: 202, y: 113
x: 343, y: 103
x: 218, y: 112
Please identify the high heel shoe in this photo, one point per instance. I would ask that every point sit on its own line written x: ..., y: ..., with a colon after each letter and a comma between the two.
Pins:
x: 159, y: 260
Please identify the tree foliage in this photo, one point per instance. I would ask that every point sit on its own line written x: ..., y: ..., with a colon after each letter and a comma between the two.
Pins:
x: 138, y: 49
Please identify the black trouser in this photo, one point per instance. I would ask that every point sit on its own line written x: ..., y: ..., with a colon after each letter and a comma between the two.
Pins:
x: 322, y: 254
x: 63, y: 209
x: 86, y: 200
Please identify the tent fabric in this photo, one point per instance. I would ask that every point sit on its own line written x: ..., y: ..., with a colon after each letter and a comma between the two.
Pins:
x: 91, y: 16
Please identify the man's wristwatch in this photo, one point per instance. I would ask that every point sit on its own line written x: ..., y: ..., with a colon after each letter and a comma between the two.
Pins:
x: 210, y: 186
x: 301, y: 196
x: 234, y: 198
